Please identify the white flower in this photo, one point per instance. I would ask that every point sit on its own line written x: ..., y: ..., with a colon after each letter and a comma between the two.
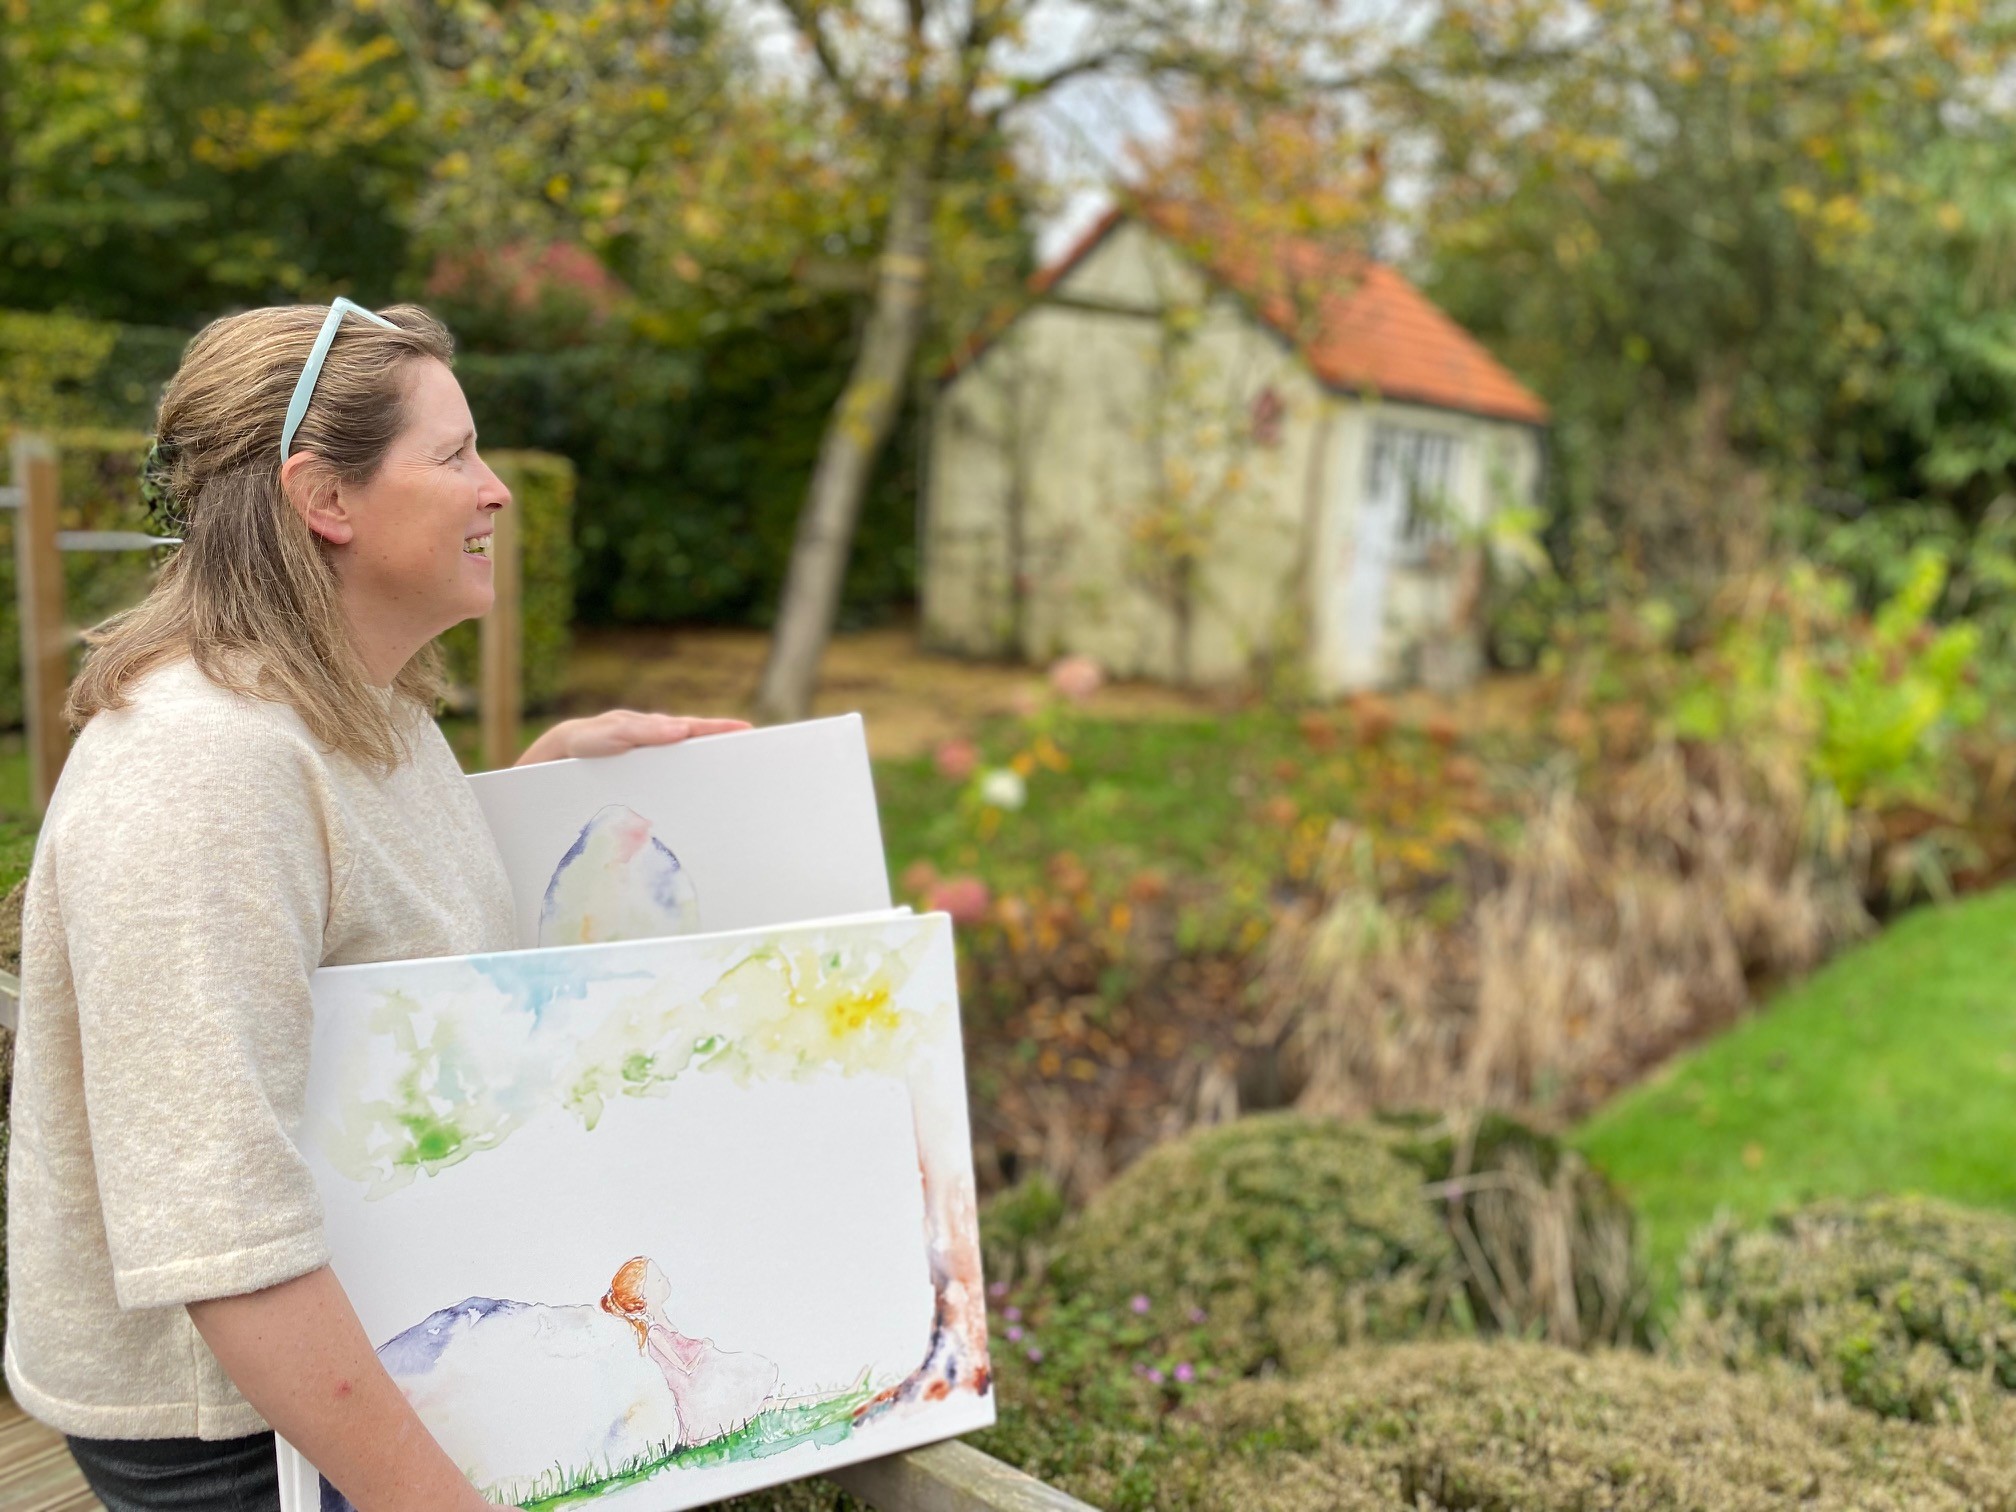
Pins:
x: 1003, y: 788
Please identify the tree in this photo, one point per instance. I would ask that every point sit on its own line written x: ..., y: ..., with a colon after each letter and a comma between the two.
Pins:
x: 115, y: 196
x: 1738, y: 204
x: 916, y: 82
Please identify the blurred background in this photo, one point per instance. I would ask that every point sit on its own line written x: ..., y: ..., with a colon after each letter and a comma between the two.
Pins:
x: 1433, y: 583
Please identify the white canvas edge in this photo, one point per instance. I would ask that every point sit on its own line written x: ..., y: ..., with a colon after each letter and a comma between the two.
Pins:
x: 503, y: 774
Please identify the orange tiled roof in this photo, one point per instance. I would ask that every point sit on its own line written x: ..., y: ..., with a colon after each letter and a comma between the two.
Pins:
x: 1360, y: 325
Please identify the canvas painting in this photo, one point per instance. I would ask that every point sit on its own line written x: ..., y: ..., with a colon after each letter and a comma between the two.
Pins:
x: 729, y: 832
x: 646, y: 1224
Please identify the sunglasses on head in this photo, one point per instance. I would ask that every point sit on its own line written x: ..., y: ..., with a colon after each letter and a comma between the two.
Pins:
x: 304, y: 388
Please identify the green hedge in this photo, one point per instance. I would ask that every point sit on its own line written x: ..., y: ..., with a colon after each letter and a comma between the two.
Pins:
x: 1904, y: 1306
x: 99, y: 468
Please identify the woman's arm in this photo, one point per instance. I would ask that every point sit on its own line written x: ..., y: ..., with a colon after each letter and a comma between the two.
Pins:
x: 301, y: 1358
x: 620, y: 730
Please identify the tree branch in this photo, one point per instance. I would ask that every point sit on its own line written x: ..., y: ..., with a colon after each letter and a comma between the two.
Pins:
x: 805, y: 16
x: 1026, y: 90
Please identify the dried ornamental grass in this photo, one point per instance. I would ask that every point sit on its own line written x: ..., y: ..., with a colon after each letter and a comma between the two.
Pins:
x: 1467, y: 1425
x: 1629, y: 920
x: 1903, y: 1306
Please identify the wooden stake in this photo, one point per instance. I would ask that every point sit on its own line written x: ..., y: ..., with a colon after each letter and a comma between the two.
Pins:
x: 38, y: 585
x: 500, y: 692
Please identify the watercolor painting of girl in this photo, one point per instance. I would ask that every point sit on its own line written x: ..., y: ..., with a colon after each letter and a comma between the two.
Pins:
x: 716, y: 1391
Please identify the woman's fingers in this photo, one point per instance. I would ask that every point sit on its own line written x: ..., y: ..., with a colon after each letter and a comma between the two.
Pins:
x: 625, y: 729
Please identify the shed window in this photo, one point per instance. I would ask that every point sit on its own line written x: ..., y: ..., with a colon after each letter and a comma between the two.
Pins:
x: 1413, y: 476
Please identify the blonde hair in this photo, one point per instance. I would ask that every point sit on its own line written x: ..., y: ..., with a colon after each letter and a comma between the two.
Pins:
x: 251, y: 596
x: 625, y: 1298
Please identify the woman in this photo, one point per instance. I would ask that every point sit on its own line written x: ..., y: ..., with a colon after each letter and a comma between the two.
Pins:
x: 256, y: 790
x: 716, y: 1392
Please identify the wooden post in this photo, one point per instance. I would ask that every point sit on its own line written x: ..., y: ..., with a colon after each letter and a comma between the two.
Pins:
x: 38, y: 585
x: 950, y: 1477
x: 500, y: 691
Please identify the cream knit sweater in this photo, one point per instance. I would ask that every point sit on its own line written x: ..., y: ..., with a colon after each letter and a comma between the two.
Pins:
x: 202, y: 856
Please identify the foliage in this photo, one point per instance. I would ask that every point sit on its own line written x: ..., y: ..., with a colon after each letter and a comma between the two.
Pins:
x: 1876, y: 705
x: 1889, y: 1071
x: 1798, y: 210
x: 1468, y: 1425
x: 692, y: 463
x: 1903, y: 1306
x: 118, y: 201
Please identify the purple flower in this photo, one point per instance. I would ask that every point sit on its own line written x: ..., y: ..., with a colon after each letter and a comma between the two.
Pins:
x: 1013, y: 1314
x: 1014, y: 1332
x: 1196, y: 1315
x: 1155, y: 1376
x: 997, y: 1290
x: 1185, y: 1374
x: 1140, y: 1303
x: 1035, y: 1355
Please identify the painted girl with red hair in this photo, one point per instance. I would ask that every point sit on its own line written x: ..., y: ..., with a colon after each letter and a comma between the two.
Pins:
x: 716, y: 1391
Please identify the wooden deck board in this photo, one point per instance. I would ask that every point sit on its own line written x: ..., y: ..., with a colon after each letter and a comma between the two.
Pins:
x: 36, y: 1471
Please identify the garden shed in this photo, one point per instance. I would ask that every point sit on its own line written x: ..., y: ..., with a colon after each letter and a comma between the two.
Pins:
x: 1213, y: 455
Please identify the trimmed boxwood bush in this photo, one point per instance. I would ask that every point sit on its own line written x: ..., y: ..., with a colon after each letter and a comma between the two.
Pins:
x: 1904, y: 1306
x: 1287, y: 1235
x: 1506, y: 1425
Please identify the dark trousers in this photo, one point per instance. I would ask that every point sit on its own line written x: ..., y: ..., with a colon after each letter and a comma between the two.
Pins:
x: 181, y: 1474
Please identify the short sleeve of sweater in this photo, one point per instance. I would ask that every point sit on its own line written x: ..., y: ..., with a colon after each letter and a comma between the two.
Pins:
x: 193, y: 878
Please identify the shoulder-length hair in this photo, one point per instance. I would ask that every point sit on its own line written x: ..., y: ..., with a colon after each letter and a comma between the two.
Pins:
x: 251, y: 596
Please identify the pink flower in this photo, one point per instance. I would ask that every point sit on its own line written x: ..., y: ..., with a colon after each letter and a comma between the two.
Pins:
x: 997, y: 1289
x: 1185, y: 1374
x: 1077, y: 677
x: 1035, y: 1356
x: 1014, y: 1333
x: 957, y: 759
x: 1139, y: 1304
x: 1156, y: 1376
x: 1013, y: 1314
x: 965, y: 898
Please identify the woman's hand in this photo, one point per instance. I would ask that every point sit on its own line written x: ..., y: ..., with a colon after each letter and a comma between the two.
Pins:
x: 618, y: 731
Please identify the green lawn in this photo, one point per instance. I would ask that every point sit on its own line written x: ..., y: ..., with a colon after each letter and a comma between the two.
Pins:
x: 1892, y: 1070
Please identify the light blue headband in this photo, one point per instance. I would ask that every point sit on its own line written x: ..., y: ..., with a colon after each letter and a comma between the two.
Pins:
x: 304, y: 388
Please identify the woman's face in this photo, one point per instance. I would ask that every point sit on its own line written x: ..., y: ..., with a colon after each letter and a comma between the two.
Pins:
x: 417, y: 554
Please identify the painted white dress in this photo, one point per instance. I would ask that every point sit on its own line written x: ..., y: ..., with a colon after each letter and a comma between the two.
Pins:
x: 716, y: 1391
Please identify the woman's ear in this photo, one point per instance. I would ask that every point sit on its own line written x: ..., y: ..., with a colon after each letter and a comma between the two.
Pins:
x: 316, y: 498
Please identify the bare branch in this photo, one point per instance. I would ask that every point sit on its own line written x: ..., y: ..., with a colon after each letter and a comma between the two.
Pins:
x: 804, y: 15
x: 1023, y: 91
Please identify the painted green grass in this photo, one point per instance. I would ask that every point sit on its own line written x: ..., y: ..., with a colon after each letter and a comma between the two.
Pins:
x: 1893, y: 1070
x: 782, y: 1428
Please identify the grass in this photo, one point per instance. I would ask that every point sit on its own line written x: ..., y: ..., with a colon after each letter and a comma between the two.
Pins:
x: 1892, y: 1070
x: 773, y: 1432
